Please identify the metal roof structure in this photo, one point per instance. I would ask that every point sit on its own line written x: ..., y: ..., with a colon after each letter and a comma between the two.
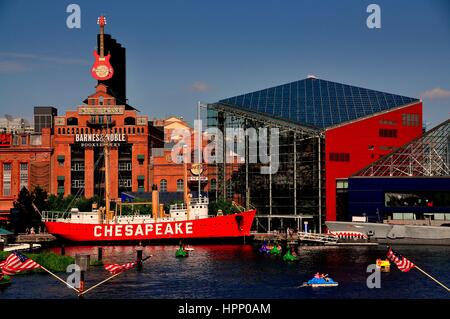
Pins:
x: 427, y: 155
x: 316, y: 103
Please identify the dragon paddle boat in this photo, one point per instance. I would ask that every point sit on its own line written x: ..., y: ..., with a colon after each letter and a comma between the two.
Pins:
x: 181, y: 252
x: 276, y: 250
x: 290, y: 256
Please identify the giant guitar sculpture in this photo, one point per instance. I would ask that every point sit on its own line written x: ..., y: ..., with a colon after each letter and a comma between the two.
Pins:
x: 102, y: 69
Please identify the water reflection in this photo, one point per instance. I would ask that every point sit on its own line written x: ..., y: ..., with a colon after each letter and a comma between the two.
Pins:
x: 239, y: 271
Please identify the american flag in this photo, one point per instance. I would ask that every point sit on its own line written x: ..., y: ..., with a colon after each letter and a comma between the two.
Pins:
x: 402, y: 263
x: 16, y: 262
x: 117, y: 268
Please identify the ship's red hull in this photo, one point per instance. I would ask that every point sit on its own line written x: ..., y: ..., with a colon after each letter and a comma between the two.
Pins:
x: 235, y: 225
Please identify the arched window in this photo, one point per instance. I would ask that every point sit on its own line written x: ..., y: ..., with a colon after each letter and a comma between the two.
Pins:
x: 130, y: 121
x: 72, y: 121
x: 163, y: 185
x: 59, y: 130
x: 180, y: 185
x: 100, y: 100
x: 213, y: 185
x: 64, y: 130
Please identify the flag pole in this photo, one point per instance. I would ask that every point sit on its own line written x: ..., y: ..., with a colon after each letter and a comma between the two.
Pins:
x: 102, y: 282
x: 107, y: 279
x: 65, y: 282
x: 432, y: 278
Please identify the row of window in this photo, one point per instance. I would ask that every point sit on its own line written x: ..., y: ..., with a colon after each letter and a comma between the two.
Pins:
x: 100, y: 119
x: 7, y: 168
x: 410, y: 119
x: 180, y: 185
x: 387, y: 133
x: 339, y: 157
x: 87, y: 130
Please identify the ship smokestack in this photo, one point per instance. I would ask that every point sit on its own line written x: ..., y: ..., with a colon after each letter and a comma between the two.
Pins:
x: 161, y: 210
x: 155, y: 201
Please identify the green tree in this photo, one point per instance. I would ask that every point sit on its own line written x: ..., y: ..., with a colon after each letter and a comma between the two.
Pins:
x: 27, y: 215
x: 226, y: 207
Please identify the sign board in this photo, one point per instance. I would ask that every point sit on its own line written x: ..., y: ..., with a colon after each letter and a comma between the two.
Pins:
x: 99, y: 140
x: 112, y: 110
x: 196, y: 169
x: 5, y: 140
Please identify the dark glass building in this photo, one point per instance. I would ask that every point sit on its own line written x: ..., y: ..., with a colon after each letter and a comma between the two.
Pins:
x: 117, y: 84
x: 327, y: 132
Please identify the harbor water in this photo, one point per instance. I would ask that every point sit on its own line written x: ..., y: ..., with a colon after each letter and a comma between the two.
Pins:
x: 240, y: 271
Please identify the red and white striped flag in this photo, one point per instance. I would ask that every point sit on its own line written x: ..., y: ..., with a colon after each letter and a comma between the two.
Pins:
x: 117, y: 268
x: 16, y: 262
x: 402, y: 263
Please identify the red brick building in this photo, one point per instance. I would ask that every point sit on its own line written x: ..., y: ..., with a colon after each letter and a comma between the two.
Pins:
x: 25, y: 161
x: 78, y: 159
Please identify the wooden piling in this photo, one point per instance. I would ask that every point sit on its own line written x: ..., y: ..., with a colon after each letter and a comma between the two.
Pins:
x: 139, y: 251
x: 99, y: 253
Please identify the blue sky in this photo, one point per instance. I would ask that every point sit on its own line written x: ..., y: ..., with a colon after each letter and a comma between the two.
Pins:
x: 182, y: 51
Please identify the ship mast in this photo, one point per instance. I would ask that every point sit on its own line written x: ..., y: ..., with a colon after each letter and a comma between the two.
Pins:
x: 185, y: 186
x: 106, y: 155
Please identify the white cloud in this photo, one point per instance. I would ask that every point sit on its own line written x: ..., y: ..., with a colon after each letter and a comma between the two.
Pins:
x: 436, y: 93
x: 12, y: 67
x: 42, y: 58
x: 199, y: 86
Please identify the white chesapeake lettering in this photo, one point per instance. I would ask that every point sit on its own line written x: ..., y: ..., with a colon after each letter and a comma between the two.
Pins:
x: 168, y: 230
x: 158, y: 229
x: 148, y: 229
x: 97, y: 231
x: 178, y: 229
x: 189, y: 228
x: 129, y: 230
x: 108, y: 231
x: 119, y: 230
x: 139, y: 231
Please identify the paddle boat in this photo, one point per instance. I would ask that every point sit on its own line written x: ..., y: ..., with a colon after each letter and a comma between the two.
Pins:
x: 5, y: 281
x: 181, y: 252
x: 289, y: 256
x: 264, y: 249
x: 276, y: 250
x: 383, y: 265
x: 320, y: 281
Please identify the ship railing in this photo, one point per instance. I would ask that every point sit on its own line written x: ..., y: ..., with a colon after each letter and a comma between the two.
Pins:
x: 202, y: 200
x: 317, y: 237
x: 177, y: 206
x: 52, y: 216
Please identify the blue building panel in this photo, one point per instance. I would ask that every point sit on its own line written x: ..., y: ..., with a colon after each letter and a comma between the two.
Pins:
x: 367, y: 196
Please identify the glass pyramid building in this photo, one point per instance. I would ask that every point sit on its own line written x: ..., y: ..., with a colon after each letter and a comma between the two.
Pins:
x: 317, y: 103
x: 428, y: 155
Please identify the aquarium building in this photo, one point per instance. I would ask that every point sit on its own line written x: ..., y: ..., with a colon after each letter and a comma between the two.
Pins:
x: 327, y: 132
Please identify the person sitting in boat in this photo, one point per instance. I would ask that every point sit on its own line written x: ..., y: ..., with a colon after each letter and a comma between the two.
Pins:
x: 317, y: 275
x: 293, y: 253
